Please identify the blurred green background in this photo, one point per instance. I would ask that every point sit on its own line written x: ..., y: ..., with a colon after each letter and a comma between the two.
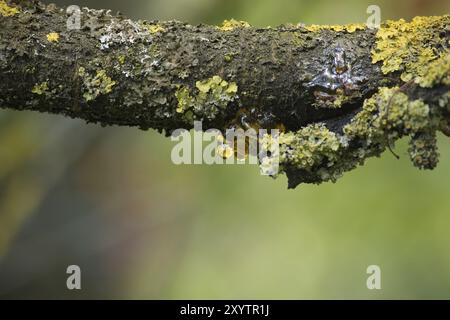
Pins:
x: 111, y: 201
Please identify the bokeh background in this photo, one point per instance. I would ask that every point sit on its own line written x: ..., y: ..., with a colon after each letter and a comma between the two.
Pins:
x: 111, y: 201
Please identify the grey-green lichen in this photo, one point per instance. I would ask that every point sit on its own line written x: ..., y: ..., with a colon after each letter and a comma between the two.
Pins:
x: 423, y: 150
x: 309, y: 147
x: 389, y: 111
x: 210, y: 97
x: 40, y: 88
x: 390, y: 115
x: 229, y: 57
x: 97, y: 85
x: 298, y: 39
x: 340, y: 99
x: 323, y: 155
x: 314, y: 150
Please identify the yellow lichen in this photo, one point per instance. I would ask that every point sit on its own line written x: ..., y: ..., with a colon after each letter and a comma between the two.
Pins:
x: 340, y: 99
x: 216, y: 84
x: 53, y: 37
x: 155, y: 28
x: 95, y: 86
x: 40, y: 88
x: 409, y: 46
x: 224, y: 151
x: 6, y: 10
x: 436, y: 72
x: 350, y: 28
x: 228, y: 57
x: 212, y: 95
x: 121, y: 59
x: 184, y: 99
x: 229, y: 25
x: 104, y: 81
x: 418, y: 66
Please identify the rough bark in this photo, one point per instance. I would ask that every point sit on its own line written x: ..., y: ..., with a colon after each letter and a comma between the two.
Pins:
x: 314, y: 82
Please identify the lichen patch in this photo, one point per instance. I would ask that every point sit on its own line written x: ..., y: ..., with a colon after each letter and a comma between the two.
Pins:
x: 40, y: 88
x: 155, y: 28
x: 317, y: 154
x: 409, y: 47
x: 229, y: 25
x: 6, y: 10
x: 97, y: 85
x: 53, y: 37
x: 436, y: 72
x: 210, y: 97
x: 349, y: 28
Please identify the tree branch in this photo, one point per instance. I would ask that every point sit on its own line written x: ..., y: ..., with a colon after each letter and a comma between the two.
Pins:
x: 340, y: 94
